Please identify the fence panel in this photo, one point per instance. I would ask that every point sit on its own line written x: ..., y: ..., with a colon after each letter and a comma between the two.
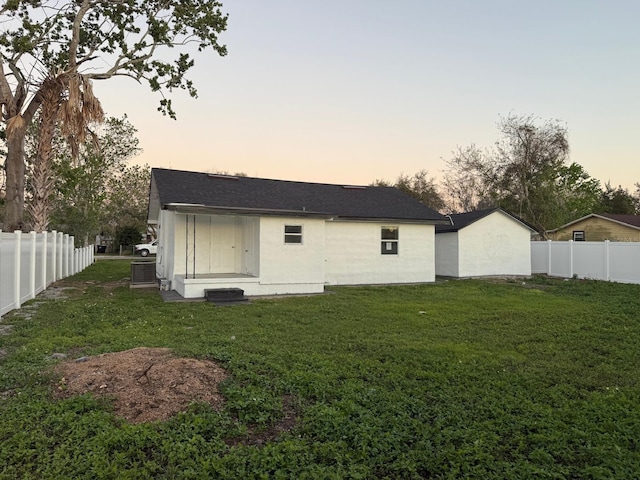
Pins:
x: 41, y: 264
x: 26, y: 249
x: 560, y: 259
x: 624, y: 261
x: 7, y: 273
x: 51, y: 259
x: 539, y: 257
x: 590, y: 260
x: 615, y: 261
x: 30, y: 262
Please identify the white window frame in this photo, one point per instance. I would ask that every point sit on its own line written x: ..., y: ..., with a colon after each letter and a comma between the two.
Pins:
x: 293, y: 235
x: 578, y: 236
x: 389, y: 246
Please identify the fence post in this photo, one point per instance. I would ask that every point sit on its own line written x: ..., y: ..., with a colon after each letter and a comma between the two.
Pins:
x: 54, y: 253
x: 548, y: 257
x: 32, y: 265
x: 43, y: 272
x: 65, y: 255
x: 570, y: 258
x: 60, y: 256
x: 606, y: 261
x: 0, y: 259
x: 16, y: 265
x: 72, y: 248
x: 70, y: 255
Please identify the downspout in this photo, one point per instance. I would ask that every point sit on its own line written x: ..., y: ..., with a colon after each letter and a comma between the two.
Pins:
x: 194, y: 246
x: 186, y: 248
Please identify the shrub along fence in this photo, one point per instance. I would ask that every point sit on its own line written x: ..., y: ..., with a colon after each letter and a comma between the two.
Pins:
x: 30, y: 262
x: 611, y: 261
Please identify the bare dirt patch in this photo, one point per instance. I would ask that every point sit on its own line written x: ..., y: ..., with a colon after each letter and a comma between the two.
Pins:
x: 145, y: 384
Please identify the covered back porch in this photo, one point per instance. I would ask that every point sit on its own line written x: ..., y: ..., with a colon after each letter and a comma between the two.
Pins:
x: 222, y: 251
x: 215, y: 251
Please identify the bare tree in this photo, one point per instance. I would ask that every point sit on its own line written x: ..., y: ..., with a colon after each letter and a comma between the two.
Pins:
x: 526, y: 163
x: 526, y: 172
x: 419, y: 185
x: 467, y: 181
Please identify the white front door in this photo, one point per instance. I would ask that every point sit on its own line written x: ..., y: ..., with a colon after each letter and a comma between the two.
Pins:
x: 223, y: 245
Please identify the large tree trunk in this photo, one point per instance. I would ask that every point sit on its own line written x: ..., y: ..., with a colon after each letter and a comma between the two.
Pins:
x: 42, y: 179
x: 14, y: 206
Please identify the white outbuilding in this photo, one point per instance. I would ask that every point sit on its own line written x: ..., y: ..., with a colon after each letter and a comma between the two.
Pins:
x: 489, y: 242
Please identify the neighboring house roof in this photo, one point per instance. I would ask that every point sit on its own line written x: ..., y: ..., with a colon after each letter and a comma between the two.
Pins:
x: 632, y: 221
x: 193, y: 190
x: 461, y: 220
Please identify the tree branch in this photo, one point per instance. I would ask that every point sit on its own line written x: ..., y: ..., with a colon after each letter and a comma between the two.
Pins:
x: 75, y: 37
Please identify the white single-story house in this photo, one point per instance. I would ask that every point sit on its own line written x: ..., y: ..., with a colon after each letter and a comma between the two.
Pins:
x: 483, y: 243
x: 283, y: 237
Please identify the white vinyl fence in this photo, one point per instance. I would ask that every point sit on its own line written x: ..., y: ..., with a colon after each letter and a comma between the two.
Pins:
x: 611, y: 261
x: 30, y: 262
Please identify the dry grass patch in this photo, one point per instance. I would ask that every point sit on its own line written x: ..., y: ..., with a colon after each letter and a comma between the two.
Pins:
x: 145, y: 384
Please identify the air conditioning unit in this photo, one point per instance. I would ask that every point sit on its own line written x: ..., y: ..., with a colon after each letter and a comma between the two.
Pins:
x: 143, y: 274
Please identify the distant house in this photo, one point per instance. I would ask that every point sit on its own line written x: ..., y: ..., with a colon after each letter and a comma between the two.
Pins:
x: 281, y: 237
x: 597, y: 227
x: 483, y: 243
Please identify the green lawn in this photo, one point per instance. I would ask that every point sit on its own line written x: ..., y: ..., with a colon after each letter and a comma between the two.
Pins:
x: 461, y: 379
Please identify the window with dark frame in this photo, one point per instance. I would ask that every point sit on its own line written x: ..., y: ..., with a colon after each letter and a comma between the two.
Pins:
x: 578, y: 235
x: 389, y: 241
x: 293, y: 234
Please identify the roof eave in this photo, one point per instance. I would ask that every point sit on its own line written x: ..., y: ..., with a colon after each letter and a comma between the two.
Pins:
x: 421, y: 221
x: 190, y: 208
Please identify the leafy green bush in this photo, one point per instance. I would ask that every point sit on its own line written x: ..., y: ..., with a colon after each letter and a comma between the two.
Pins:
x: 128, y: 235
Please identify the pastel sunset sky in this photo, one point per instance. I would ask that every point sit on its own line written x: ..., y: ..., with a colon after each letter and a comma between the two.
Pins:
x: 349, y: 91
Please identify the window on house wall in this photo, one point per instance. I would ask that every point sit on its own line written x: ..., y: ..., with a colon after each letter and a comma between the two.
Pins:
x: 293, y: 234
x: 578, y: 235
x: 389, y: 240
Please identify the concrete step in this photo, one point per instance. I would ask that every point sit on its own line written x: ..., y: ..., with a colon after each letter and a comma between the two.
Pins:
x: 225, y: 296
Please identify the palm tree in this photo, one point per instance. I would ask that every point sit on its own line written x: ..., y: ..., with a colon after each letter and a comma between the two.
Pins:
x: 67, y: 100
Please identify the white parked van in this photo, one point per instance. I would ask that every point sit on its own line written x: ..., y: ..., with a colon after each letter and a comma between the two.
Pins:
x: 144, y: 249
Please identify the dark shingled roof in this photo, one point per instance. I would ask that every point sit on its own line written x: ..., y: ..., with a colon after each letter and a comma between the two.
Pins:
x: 461, y: 220
x: 633, y: 220
x: 301, y: 198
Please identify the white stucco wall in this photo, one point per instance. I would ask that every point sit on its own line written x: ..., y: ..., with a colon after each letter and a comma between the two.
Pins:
x: 353, y: 254
x: 494, y: 245
x: 289, y: 264
x: 338, y: 253
x: 447, y: 254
